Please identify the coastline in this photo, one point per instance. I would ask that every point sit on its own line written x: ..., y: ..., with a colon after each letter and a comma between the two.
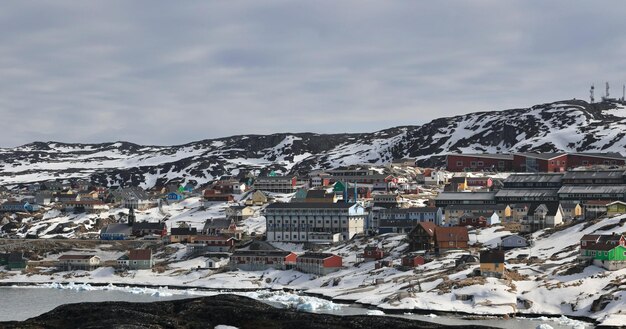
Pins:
x: 225, y: 291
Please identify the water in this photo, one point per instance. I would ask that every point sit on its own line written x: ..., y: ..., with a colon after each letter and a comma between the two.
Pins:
x: 21, y: 303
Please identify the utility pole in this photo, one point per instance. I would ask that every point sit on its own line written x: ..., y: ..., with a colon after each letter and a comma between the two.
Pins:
x: 591, y: 93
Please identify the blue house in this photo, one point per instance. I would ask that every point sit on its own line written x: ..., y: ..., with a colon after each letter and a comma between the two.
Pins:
x: 402, y: 220
x: 116, y: 232
x: 17, y: 206
x: 174, y: 196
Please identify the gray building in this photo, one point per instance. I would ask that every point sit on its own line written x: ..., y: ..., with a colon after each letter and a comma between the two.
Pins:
x: 513, y: 241
x: 294, y: 221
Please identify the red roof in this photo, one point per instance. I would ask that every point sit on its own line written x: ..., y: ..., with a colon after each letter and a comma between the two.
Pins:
x: 140, y: 254
x: 458, y: 233
x: 429, y: 227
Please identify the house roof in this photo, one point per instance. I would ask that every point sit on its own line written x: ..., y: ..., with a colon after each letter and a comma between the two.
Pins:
x: 617, y: 202
x: 608, y: 155
x: 492, y: 256
x: 64, y: 257
x: 513, y: 236
x: 148, y: 226
x: 526, y: 193
x: 310, y: 205
x: 542, y: 156
x: 271, y: 253
x: 140, y: 254
x: 590, y: 237
x: 596, y: 174
x: 316, y: 255
x: 476, y: 196
x: 499, y: 156
x: 534, y: 178
x: 594, y: 189
x: 116, y: 229
x: 453, y: 233
x: 476, y: 207
x: 217, y: 223
x: 184, y: 231
x: 429, y: 227
x: 15, y: 257
x: 597, y: 202
x: 212, y: 238
x: 552, y: 207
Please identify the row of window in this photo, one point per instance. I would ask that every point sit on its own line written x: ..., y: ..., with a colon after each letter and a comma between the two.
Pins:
x: 477, y: 163
x: 295, y: 228
x: 303, y: 222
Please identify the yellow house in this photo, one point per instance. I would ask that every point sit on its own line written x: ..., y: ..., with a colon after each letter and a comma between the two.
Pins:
x: 258, y: 198
x: 572, y: 209
x: 616, y: 208
x: 492, y: 263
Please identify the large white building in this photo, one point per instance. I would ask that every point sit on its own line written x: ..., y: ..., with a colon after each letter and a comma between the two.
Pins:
x: 305, y: 222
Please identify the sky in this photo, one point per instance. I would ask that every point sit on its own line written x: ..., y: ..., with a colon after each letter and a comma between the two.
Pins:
x: 171, y: 72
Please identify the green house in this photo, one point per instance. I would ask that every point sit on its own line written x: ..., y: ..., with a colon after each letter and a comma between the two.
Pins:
x: 16, y: 261
x: 4, y: 259
x: 339, y: 187
x: 616, y: 208
x: 611, y: 253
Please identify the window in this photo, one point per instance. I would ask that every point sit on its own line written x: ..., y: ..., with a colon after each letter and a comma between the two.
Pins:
x: 450, y: 243
x: 459, y: 163
x: 585, y: 163
x: 480, y: 163
x: 473, y: 164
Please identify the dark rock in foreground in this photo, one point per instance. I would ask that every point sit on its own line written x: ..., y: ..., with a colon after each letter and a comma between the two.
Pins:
x: 206, y: 312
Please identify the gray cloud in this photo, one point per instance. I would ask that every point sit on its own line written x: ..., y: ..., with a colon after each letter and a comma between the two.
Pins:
x: 162, y: 72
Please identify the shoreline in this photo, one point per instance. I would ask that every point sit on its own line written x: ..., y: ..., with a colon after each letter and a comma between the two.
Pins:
x: 398, y: 311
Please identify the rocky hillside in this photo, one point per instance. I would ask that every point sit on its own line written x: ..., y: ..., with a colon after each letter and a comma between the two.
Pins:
x: 572, y: 125
x: 207, y: 312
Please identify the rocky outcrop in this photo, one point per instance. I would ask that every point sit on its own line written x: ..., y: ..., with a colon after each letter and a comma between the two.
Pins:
x: 206, y: 312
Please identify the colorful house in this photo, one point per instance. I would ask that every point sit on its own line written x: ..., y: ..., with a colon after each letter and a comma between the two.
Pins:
x: 174, y: 196
x: 616, y: 208
x: 607, y: 251
x: 371, y: 253
x: 492, y: 263
x: 318, y: 263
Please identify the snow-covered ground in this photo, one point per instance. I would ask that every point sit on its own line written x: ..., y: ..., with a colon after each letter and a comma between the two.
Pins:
x: 540, y: 288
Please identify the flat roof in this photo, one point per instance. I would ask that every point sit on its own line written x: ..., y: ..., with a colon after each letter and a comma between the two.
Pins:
x: 310, y: 205
x: 466, y: 196
x: 534, y: 178
x: 597, y: 189
x: 609, y: 155
x: 499, y: 156
x: 526, y: 192
x: 588, y: 174
x: 542, y: 156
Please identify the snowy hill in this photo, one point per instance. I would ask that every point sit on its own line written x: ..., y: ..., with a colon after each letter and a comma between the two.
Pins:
x: 561, y: 126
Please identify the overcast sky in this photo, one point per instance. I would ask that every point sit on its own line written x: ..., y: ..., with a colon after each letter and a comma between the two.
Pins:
x: 171, y: 72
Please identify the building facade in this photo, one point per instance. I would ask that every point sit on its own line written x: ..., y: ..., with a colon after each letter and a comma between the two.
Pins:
x: 293, y: 222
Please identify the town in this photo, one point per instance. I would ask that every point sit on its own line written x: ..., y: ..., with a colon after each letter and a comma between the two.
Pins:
x: 481, y: 221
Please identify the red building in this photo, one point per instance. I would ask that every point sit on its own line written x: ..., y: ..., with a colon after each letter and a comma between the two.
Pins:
x: 373, y: 253
x: 413, y: 261
x: 479, y: 162
x: 540, y: 162
x: 318, y: 263
x: 595, y: 159
x: 472, y: 220
x: 217, y: 196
